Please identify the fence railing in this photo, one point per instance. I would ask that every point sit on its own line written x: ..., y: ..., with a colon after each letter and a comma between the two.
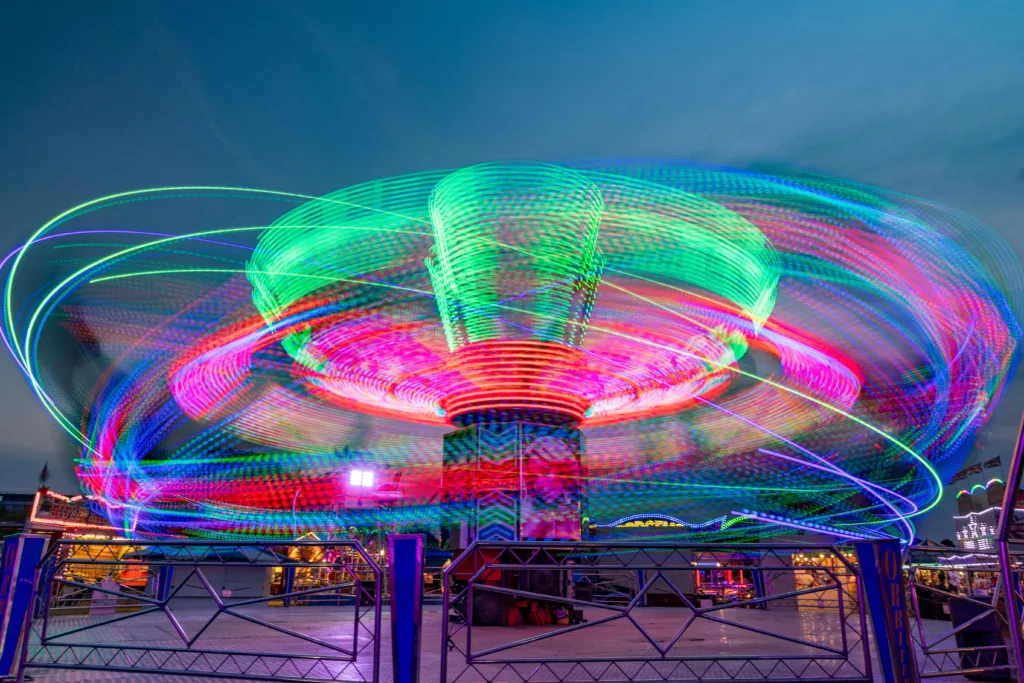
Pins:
x: 608, y: 587
x: 522, y: 611
x: 529, y: 612
x: 958, y: 613
x: 230, y: 610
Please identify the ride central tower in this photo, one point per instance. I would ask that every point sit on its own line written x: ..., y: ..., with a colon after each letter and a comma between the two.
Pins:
x: 515, y: 269
x: 513, y: 479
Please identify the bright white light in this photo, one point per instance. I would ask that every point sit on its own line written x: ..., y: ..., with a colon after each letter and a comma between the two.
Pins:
x: 362, y: 478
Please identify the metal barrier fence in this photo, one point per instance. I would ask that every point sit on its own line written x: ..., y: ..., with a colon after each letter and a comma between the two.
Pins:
x: 523, y: 612
x: 187, y: 607
x: 958, y: 613
x: 609, y: 588
x: 1009, y: 544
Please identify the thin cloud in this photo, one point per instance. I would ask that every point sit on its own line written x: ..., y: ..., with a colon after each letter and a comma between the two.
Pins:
x: 179, y: 64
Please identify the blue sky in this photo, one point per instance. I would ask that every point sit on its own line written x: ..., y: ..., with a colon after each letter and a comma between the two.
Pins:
x: 925, y: 98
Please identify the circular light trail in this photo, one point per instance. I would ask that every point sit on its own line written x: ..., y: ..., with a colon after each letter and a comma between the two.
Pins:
x: 749, y: 352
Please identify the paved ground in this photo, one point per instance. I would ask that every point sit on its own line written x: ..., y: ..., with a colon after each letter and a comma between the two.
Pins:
x: 802, y: 634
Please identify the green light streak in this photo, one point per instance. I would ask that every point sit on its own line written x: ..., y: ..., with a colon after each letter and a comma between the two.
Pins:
x: 553, y: 224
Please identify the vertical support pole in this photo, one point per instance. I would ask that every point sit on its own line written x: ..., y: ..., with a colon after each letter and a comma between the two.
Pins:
x: 289, y: 586
x: 1020, y: 592
x: 377, y: 610
x: 21, y: 554
x: 1013, y: 610
x: 881, y: 564
x: 41, y: 607
x: 164, y: 579
x: 640, y: 583
x: 405, y: 575
x: 446, y: 606
x: 759, y: 592
x: 1007, y: 516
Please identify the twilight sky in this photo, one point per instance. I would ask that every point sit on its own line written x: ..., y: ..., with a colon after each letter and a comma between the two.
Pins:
x: 925, y: 98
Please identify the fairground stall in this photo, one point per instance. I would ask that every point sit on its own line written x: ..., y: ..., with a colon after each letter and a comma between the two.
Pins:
x: 79, y: 517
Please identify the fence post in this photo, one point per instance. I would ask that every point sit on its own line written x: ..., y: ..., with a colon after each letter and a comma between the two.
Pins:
x: 164, y: 580
x: 289, y: 585
x: 757, y: 577
x: 881, y: 567
x: 405, y: 579
x: 22, y: 553
x: 1007, y: 530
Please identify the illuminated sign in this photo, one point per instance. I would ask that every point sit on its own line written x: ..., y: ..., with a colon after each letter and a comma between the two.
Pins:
x: 976, y: 530
x: 51, y: 508
x: 648, y: 523
x: 882, y: 566
x: 658, y: 521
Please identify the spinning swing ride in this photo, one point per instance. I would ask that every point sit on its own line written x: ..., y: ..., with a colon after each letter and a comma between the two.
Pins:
x: 518, y: 351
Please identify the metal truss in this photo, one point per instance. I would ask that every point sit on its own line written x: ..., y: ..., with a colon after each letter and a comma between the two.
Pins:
x: 938, y: 656
x: 1009, y: 542
x: 460, y: 663
x: 314, y: 659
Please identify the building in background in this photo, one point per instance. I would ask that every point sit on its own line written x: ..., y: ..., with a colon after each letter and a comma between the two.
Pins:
x: 978, y: 514
x: 14, y: 510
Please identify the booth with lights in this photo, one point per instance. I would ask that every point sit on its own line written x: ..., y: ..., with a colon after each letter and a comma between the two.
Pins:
x: 77, y: 517
x: 58, y: 516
